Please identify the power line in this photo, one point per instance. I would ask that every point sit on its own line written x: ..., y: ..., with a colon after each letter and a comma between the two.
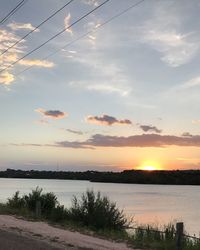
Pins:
x: 57, y: 34
x: 85, y: 34
x: 34, y: 29
x: 12, y: 12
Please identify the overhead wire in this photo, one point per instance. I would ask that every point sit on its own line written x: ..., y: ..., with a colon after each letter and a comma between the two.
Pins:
x: 57, y: 34
x: 13, y: 11
x: 84, y: 35
x: 38, y: 26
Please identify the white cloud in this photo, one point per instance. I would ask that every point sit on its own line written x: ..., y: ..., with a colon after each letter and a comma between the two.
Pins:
x: 72, y: 51
x: 18, y: 26
x: 108, y: 88
x: 103, y: 87
x: 7, y: 39
x: 92, y: 26
x: 91, y: 2
x: 6, y: 78
x: 92, y: 39
x: 176, y: 48
x: 194, y: 82
x: 36, y: 62
x: 164, y: 33
x: 67, y: 23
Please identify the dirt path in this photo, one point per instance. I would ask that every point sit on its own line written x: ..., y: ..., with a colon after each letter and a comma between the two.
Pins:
x: 45, y: 234
x: 16, y: 241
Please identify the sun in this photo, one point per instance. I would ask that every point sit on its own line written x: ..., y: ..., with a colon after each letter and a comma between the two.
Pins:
x: 149, y: 166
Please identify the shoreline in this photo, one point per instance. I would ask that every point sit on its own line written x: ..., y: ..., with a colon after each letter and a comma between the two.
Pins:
x: 55, y: 238
x: 105, y: 182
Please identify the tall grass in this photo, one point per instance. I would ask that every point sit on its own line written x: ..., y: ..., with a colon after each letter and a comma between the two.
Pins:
x: 155, y: 238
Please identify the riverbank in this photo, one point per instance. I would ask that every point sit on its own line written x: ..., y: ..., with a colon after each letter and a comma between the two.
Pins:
x: 39, y: 235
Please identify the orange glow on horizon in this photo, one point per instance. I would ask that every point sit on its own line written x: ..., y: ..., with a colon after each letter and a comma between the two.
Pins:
x: 149, y: 166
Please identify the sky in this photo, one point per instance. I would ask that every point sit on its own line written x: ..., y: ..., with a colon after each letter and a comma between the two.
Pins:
x: 117, y: 90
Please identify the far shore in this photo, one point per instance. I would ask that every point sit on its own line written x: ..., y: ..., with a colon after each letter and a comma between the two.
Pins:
x: 156, y: 177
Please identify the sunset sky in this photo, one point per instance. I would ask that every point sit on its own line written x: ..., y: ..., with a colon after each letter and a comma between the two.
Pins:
x: 120, y: 91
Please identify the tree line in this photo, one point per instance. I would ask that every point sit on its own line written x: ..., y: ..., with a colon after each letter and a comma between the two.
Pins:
x: 171, y: 177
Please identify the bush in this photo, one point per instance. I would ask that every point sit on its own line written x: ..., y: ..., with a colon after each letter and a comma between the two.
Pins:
x: 16, y: 201
x: 92, y: 210
x: 58, y: 214
x: 48, y: 201
x: 97, y: 212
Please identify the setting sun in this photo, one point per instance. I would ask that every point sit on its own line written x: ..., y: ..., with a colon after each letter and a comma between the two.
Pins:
x: 149, y: 166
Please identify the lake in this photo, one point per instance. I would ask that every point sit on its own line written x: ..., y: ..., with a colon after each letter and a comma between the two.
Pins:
x: 157, y: 204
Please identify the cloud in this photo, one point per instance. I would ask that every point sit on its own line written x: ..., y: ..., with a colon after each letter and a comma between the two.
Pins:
x: 107, y: 120
x: 196, y: 121
x: 28, y: 144
x: 67, y: 23
x: 72, y: 51
x: 92, y: 39
x: 7, y: 39
x: 36, y: 62
x: 191, y: 84
x: 91, y: 2
x: 55, y: 114
x: 187, y: 134
x: 194, y: 82
x: 6, y: 78
x: 18, y: 26
x: 144, y: 140
x: 42, y: 121
x: 175, y: 44
x: 77, y: 132
x: 106, y: 78
x: 176, y: 48
x: 107, y: 88
x: 150, y: 128
x: 66, y: 144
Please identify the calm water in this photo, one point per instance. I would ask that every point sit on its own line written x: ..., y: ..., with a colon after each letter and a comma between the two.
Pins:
x: 147, y: 203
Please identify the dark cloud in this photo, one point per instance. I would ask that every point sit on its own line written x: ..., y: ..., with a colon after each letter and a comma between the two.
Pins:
x: 55, y: 114
x: 186, y: 134
x: 42, y: 121
x: 144, y: 140
x: 74, y: 144
x: 107, y: 120
x: 28, y: 144
x: 77, y: 132
x: 150, y: 128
